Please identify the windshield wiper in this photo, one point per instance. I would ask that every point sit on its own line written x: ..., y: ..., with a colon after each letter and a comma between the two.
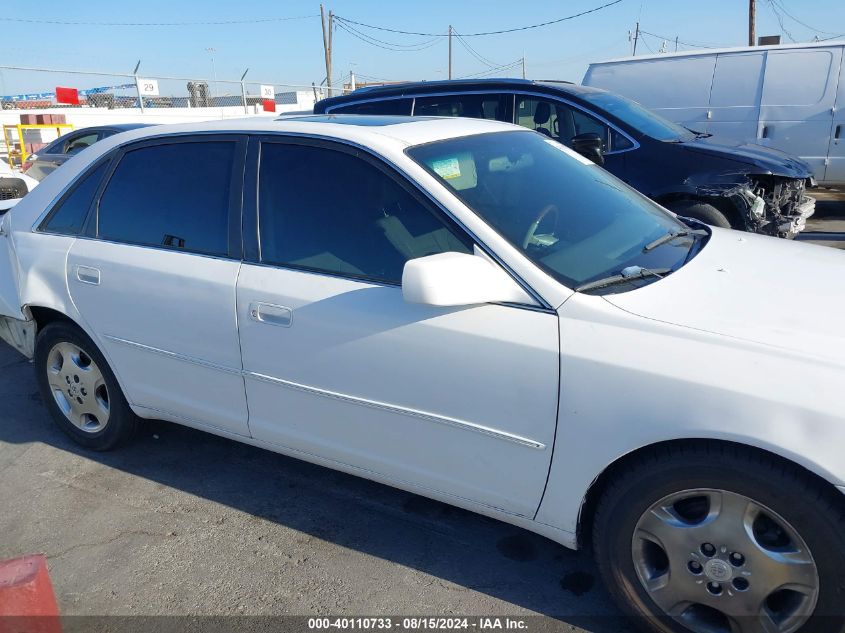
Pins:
x: 628, y: 274
x: 668, y: 237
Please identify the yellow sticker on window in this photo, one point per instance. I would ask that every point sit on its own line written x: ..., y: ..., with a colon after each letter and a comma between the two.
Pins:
x: 447, y: 168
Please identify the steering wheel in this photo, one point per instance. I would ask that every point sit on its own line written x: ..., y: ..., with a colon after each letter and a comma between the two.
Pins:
x: 540, y: 217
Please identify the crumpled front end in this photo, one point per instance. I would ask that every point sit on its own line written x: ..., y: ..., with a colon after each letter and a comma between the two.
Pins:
x: 765, y: 204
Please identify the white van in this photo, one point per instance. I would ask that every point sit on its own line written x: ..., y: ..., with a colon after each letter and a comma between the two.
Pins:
x: 789, y: 97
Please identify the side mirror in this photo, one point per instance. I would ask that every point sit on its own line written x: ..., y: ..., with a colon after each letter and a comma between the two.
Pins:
x: 458, y: 279
x: 589, y: 145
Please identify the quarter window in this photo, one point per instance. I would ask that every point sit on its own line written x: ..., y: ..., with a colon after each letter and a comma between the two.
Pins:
x: 330, y: 211
x: 173, y: 196
x: 68, y: 216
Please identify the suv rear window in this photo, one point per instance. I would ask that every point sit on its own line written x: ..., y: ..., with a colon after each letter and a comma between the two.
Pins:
x: 173, y: 195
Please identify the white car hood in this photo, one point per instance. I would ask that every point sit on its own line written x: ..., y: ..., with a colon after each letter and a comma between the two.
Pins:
x: 780, y: 293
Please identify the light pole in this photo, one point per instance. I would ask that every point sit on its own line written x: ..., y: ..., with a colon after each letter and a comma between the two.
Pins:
x: 213, y: 68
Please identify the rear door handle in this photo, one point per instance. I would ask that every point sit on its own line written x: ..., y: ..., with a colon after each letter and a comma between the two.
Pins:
x: 764, y: 133
x: 88, y: 275
x: 270, y: 314
x: 838, y: 131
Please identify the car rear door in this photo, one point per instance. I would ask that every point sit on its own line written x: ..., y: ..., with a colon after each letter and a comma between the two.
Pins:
x: 153, y: 277
x: 457, y: 402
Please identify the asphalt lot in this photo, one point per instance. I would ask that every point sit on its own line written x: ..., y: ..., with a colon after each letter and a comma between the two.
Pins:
x: 185, y: 523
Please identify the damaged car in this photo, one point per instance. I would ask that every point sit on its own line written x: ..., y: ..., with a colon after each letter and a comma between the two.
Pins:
x: 742, y: 186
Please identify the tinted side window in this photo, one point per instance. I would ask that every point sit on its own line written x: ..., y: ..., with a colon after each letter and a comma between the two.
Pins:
x: 329, y: 211
x: 473, y: 106
x: 79, y: 143
x: 561, y: 122
x: 401, y: 107
x: 174, y: 195
x: 68, y: 216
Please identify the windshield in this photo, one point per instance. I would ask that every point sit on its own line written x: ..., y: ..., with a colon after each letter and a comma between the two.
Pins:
x: 571, y: 217
x: 640, y: 118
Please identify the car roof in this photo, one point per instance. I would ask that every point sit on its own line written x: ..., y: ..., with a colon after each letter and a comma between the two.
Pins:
x: 361, y: 129
x: 460, y: 85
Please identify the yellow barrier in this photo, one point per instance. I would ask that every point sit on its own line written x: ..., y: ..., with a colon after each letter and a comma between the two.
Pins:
x: 20, y: 127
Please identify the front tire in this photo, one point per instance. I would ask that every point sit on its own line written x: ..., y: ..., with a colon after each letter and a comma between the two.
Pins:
x: 702, y: 211
x: 717, y: 537
x: 79, y: 388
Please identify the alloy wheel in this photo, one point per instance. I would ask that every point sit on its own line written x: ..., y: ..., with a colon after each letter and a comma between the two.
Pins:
x: 78, y: 387
x: 717, y: 561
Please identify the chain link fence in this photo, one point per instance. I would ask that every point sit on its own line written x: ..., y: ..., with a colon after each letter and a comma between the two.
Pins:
x: 45, y: 88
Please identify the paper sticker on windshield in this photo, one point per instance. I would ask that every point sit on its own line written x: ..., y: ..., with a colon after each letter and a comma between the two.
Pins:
x: 447, y: 168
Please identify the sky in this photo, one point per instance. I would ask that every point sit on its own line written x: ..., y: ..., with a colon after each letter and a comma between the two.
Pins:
x: 290, y: 51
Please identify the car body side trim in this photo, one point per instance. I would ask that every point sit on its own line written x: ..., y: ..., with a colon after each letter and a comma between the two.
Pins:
x: 175, y: 356
x: 374, y: 404
x: 423, y: 415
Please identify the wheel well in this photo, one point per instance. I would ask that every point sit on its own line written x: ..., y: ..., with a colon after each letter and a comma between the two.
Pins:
x: 597, y: 488
x: 44, y: 316
x: 721, y: 204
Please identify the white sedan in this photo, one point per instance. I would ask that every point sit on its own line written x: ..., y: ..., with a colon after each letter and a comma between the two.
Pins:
x: 467, y: 310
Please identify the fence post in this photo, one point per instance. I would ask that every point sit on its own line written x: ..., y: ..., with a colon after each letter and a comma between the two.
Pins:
x: 243, y: 91
x: 138, y: 86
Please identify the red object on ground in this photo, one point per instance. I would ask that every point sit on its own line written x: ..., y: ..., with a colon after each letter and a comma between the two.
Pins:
x: 27, y: 601
x: 269, y: 105
x: 67, y: 95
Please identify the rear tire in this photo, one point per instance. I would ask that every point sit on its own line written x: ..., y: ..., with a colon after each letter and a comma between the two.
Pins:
x: 698, y: 210
x: 80, y: 390
x: 758, y: 511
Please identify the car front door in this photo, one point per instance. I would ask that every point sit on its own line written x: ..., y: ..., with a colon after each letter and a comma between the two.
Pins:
x: 154, y: 279
x: 459, y: 402
x: 563, y: 121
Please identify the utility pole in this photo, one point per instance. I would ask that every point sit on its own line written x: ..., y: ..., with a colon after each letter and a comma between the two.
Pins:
x: 450, y: 51
x: 676, y: 43
x: 752, y: 22
x: 327, y: 45
x: 523, y: 65
x: 636, y: 37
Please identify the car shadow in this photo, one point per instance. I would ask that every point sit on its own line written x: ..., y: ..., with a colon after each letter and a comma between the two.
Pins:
x: 454, y: 545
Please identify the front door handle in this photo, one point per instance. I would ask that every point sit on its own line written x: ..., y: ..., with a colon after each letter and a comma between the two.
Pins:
x: 270, y: 314
x: 88, y: 275
x: 838, y: 131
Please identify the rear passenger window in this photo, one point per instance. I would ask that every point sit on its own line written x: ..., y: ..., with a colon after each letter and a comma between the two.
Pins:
x: 400, y: 107
x: 473, y: 106
x: 333, y: 212
x: 68, y: 216
x: 173, y: 196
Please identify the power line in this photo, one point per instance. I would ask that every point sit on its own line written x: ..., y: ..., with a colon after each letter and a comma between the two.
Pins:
x: 475, y: 53
x: 779, y: 18
x: 202, y: 23
x: 491, y: 71
x: 513, y: 30
x: 395, y: 46
x: 804, y: 24
x: 679, y: 41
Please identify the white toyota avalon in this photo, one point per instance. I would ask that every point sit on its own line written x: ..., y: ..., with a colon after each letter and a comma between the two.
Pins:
x: 470, y: 311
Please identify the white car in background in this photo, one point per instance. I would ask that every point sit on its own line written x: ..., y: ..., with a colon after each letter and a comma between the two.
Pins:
x: 13, y: 186
x: 470, y: 311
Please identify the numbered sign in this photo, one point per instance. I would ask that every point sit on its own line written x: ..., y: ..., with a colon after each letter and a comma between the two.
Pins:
x: 268, y: 92
x: 148, y: 87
